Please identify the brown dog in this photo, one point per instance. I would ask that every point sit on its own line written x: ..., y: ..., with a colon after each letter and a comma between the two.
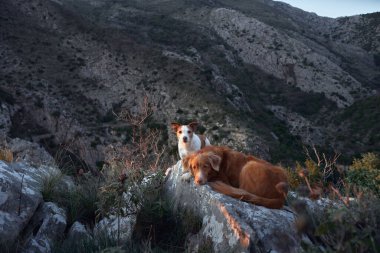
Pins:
x: 239, y: 176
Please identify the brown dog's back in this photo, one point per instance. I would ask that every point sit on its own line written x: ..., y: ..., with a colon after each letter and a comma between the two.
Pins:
x: 255, y: 173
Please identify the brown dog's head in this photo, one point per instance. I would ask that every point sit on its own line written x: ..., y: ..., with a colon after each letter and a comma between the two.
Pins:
x: 184, y: 132
x: 203, y: 166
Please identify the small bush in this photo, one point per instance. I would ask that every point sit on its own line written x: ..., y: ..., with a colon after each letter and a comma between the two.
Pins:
x: 6, y: 155
x: 50, y: 186
x: 369, y: 161
x: 99, y: 243
x: 165, y: 228
x: 344, y: 229
x: 312, y: 172
x: 79, y: 201
x: 365, y: 173
x: 133, y: 172
x: 294, y: 179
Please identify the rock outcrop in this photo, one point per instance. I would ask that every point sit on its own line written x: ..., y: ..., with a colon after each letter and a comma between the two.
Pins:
x: 20, y: 199
x: 53, y: 223
x: 29, y: 152
x: 119, y: 228
x: 25, y: 219
x: 78, y: 232
x: 232, y: 224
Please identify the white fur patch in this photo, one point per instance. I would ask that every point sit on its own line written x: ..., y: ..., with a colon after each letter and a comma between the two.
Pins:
x: 185, y: 134
x: 186, y: 177
x: 193, y: 143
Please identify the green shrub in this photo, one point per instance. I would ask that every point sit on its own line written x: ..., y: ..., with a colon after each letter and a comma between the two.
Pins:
x: 79, y: 201
x: 165, y: 227
x: 50, y: 186
x: 315, y: 171
x: 345, y: 229
x: 294, y: 179
x: 98, y: 243
x: 314, y: 174
x: 369, y: 161
x: 6, y: 155
x: 365, y: 173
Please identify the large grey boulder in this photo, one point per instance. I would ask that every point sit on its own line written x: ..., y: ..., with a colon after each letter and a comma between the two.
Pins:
x: 233, y: 225
x: 78, y: 232
x: 20, y: 196
x: 120, y: 225
x: 116, y: 227
x: 53, y: 225
x: 30, y: 152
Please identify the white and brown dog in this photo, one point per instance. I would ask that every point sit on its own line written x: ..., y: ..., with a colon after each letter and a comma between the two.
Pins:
x: 188, y: 141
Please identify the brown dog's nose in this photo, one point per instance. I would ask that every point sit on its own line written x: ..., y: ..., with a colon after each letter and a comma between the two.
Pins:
x: 198, y: 181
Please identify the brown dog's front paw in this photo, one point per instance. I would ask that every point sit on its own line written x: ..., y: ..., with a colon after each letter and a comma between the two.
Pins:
x: 186, y: 177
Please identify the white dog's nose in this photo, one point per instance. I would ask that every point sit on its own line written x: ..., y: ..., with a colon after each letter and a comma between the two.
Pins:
x: 185, y: 139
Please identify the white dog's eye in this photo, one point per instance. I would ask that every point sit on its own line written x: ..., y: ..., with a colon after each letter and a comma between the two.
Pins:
x: 189, y: 132
x: 180, y: 132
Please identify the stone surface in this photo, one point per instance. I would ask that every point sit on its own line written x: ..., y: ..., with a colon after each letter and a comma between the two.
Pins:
x: 15, y: 213
x: 30, y: 152
x: 78, y: 232
x: 300, y: 126
x: 112, y: 225
x: 231, y: 224
x: 53, y: 225
x: 121, y: 228
x: 20, y: 196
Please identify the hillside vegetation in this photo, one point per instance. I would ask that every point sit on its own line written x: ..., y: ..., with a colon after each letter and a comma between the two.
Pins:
x: 260, y: 76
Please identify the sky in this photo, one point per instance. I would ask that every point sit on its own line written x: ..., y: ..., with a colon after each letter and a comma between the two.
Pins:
x: 336, y: 8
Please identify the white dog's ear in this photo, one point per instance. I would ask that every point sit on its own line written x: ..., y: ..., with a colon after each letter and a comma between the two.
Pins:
x: 193, y: 125
x: 175, y: 126
x: 215, y: 161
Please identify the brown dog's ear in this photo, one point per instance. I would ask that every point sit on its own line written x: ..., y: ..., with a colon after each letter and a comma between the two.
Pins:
x: 193, y: 125
x: 186, y: 163
x: 175, y: 126
x: 215, y: 161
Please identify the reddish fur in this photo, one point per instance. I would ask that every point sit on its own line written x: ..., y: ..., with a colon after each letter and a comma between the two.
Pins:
x: 240, y: 176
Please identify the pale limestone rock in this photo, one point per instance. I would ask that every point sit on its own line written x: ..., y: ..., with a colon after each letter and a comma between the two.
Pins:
x: 53, y: 225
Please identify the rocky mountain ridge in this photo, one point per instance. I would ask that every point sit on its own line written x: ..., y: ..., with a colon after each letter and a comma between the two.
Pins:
x: 67, y: 65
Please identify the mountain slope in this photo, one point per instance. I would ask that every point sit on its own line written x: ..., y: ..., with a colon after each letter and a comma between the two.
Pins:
x: 245, y: 69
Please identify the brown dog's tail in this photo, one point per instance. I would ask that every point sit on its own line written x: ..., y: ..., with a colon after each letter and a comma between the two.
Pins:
x: 242, y: 194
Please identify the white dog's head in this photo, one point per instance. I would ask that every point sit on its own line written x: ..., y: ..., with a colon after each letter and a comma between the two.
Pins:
x: 184, y: 132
